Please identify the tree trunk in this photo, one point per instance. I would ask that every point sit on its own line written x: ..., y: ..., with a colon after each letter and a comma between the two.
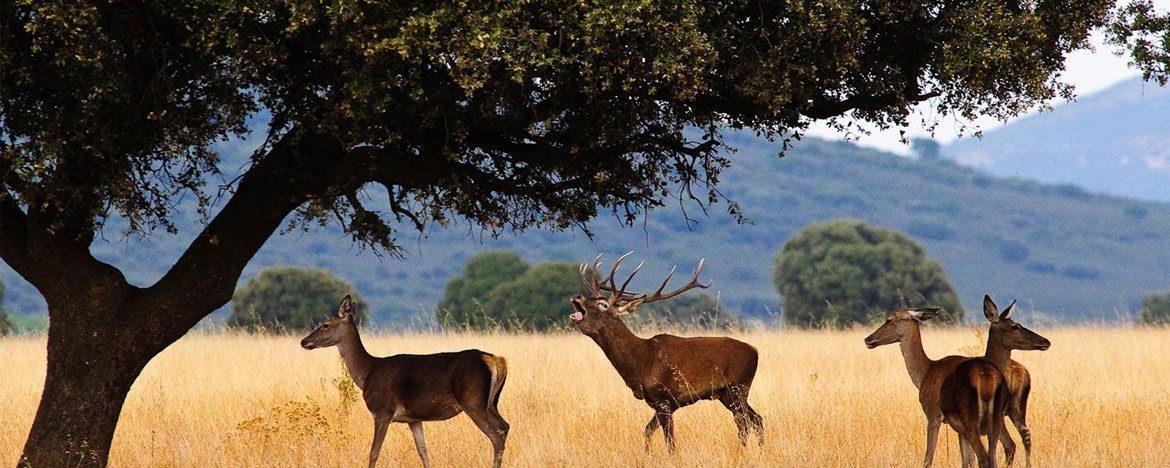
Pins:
x: 93, y: 359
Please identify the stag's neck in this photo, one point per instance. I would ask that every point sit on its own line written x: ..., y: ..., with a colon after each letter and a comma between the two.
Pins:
x: 358, y: 361
x: 917, y: 364
x: 997, y: 354
x: 625, y: 350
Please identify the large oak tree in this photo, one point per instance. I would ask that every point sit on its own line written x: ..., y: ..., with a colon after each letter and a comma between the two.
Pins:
x: 509, y: 114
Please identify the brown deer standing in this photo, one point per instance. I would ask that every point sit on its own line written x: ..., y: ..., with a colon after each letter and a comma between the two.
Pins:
x: 667, y: 372
x: 411, y: 388
x: 1003, y: 336
x: 903, y: 327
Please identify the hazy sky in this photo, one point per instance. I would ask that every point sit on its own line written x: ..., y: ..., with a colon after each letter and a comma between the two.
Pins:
x: 1089, y: 71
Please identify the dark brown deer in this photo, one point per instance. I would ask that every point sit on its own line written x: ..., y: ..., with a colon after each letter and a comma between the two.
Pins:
x: 968, y: 393
x: 903, y: 327
x: 410, y: 388
x: 667, y: 372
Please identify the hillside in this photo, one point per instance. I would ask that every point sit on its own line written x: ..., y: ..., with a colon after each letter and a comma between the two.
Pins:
x: 1116, y: 141
x: 1059, y: 249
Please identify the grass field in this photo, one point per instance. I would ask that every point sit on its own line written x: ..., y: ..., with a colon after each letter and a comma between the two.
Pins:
x: 1099, y: 398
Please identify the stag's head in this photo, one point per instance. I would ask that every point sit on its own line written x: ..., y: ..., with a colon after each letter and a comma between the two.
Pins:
x: 900, y: 324
x: 605, y: 302
x: 1007, y: 333
x: 332, y: 330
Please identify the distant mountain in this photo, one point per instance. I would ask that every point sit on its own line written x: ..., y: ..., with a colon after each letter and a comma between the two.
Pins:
x: 1116, y: 141
x: 1058, y: 249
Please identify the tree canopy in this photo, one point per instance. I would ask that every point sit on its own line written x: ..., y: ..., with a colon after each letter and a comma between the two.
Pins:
x: 841, y: 273
x: 291, y: 299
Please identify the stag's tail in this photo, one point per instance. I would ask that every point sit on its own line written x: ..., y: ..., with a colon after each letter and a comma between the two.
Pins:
x: 498, y: 367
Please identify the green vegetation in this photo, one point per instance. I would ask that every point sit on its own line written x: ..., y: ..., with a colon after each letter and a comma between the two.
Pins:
x: 462, y: 304
x: 536, y: 300
x: 841, y: 273
x: 290, y: 299
x: 1156, y: 309
x: 700, y: 311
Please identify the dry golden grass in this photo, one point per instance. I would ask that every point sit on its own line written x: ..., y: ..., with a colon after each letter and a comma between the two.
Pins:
x: 1099, y: 398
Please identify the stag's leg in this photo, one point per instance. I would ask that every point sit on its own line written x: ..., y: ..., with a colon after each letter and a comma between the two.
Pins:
x: 380, y: 425
x: 1009, y: 446
x: 495, y: 427
x: 665, y: 417
x: 651, y: 427
x: 932, y: 425
x: 420, y: 443
x: 756, y: 420
x: 737, y: 406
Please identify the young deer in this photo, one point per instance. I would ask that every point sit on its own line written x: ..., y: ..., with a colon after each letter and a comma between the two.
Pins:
x: 667, y: 372
x: 415, y: 388
x: 928, y: 375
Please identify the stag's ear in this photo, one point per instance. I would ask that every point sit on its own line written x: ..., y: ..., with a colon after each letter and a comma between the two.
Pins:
x: 990, y: 310
x: 1010, y: 308
x: 924, y: 313
x: 346, y: 307
x: 630, y: 306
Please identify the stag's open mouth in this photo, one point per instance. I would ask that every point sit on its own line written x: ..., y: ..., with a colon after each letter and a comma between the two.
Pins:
x: 579, y: 311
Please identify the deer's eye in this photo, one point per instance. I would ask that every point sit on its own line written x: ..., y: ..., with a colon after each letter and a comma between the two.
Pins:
x: 602, y: 306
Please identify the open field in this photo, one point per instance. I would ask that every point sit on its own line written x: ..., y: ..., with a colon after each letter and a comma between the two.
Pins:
x: 1099, y: 398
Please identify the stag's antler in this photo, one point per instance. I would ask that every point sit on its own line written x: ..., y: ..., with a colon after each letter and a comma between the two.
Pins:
x: 692, y: 284
x: 596, y: 285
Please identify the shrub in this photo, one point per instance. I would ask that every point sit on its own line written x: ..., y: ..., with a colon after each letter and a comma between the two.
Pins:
x: 840, y: 273
x: 5, y: 324
x: 292, y: 299
x: 463, y: 297
x: 1156, y: 309
x: 537, y: 300
x: 692, y: 310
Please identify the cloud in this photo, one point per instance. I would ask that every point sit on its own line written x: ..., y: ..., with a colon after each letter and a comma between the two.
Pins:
x: 1158, y: 163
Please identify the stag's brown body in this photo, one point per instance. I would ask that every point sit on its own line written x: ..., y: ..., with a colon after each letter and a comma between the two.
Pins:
x: 669, y: 372
x: 411, y: 388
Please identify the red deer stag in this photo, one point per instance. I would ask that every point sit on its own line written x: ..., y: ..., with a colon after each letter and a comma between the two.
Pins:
x: 667, y: 372
x: 903, y: 327
x: 411, y: 388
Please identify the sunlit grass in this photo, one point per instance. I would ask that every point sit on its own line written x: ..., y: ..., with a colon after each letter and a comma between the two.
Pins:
x: 1099, y: 398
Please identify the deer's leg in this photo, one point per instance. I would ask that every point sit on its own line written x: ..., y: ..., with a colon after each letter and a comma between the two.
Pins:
x: 420, y: 443
x: 756, y: 420
x: 932, y: 425
x: 651, y: 427
x: 965, y: 453
x: 738, y: 409
x: 495, y: 427
x: 1019, y: 417
x: 1009, y: 446
x: 665, y: 417
x: 380, y: 425
x: 976, y: 445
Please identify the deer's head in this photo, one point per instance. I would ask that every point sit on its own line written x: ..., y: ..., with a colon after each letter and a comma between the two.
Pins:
x: 332, y: 330
x: 595, y: 311
x: 900, y: 324
x: 1006, y: 333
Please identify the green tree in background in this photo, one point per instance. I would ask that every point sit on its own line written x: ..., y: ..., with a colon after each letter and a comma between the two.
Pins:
x: 464, y: 295
x: 537, y: 300
x: 1156, y: 309
x: 840, y: 273
x: 290, y: 299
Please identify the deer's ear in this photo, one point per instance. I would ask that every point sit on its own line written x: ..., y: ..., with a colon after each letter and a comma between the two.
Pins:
x: 924, y: 313
x: 1010, y: 308
x: 346, y: 307
x: 630, y: 306
x: 990, y: 310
